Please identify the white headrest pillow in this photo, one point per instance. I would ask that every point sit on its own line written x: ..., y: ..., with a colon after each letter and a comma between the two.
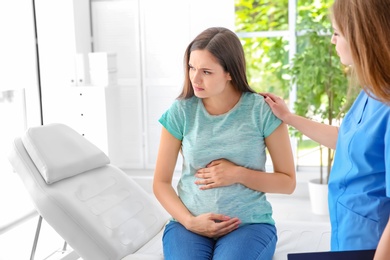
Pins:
x: 60, y: 152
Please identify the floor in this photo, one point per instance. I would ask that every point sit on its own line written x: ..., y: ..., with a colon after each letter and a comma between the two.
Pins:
x: 294, y: 207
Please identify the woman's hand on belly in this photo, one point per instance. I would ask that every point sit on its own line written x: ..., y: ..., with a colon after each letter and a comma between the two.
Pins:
x: 212, y: 225
x: 218, y: 173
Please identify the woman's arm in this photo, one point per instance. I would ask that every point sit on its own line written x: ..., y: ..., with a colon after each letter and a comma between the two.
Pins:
x: 162, y: 182
x: 383, y: 249
x: 321, y: 133
x: 224, y: 173
x: 283, y: 179
x: 209, y: 224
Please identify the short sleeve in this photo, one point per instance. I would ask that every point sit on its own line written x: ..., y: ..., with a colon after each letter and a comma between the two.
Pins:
x: 269, y: 120
x: 173, y: 120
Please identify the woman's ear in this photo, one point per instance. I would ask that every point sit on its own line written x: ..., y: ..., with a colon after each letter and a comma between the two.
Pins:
x: 228, y: 77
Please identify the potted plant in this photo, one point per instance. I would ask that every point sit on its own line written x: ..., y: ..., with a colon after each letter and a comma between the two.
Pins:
x: 322, y: 86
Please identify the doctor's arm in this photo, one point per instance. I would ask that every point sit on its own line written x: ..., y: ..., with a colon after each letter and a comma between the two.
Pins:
x: 383, y: 249
x: 319, y: 132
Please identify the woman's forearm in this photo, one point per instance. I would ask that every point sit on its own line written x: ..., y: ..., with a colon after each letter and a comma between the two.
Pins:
x: 168, y: 198
x: 269, y: 182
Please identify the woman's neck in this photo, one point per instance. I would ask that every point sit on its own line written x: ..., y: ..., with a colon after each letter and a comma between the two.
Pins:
x: 221, y: 104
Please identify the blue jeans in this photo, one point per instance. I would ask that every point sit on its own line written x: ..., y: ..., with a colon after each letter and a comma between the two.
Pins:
x: 252, y: 241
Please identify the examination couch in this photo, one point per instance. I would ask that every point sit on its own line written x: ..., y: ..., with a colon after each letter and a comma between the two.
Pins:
x: 101, y: 212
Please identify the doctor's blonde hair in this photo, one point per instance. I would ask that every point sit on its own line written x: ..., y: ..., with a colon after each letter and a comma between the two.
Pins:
x: 365, y: 24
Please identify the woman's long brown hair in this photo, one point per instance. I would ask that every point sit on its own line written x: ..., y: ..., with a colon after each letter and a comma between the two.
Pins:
x: 226, y: 47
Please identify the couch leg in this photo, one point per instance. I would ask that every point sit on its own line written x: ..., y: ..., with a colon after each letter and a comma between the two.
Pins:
x: 64, y: 247
x: 36, y: 238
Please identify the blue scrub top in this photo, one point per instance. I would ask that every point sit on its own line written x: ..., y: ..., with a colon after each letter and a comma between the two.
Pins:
x: 359, y: 184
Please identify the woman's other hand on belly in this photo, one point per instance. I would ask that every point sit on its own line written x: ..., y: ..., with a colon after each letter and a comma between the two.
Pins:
x: 212, y: 225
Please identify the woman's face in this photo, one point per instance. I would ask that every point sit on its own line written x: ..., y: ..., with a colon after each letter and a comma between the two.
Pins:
x: 342, y: 46
x: 207, y: 76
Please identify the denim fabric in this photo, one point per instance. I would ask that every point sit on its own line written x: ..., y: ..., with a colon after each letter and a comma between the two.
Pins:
x: 248, y: 242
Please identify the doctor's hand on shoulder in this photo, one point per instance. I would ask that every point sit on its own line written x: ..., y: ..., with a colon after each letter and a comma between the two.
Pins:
x: 278, y: 106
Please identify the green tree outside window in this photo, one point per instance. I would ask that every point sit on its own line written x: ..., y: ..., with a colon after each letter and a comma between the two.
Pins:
x: 321, y: 80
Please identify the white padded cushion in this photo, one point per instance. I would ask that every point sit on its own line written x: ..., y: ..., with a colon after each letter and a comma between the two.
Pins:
x: 60, y: 152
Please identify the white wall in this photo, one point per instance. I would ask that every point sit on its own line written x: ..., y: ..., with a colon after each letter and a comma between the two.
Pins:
x: 149, y: 38
x: 18, y: 65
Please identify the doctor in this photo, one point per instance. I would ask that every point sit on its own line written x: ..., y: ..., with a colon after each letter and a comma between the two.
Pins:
x: 359, y: 185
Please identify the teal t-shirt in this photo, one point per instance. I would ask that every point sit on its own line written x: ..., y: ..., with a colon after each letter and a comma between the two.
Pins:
x: 237, y: 136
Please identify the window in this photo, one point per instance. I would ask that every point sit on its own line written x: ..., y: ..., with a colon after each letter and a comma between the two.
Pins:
x: 272, y: 33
